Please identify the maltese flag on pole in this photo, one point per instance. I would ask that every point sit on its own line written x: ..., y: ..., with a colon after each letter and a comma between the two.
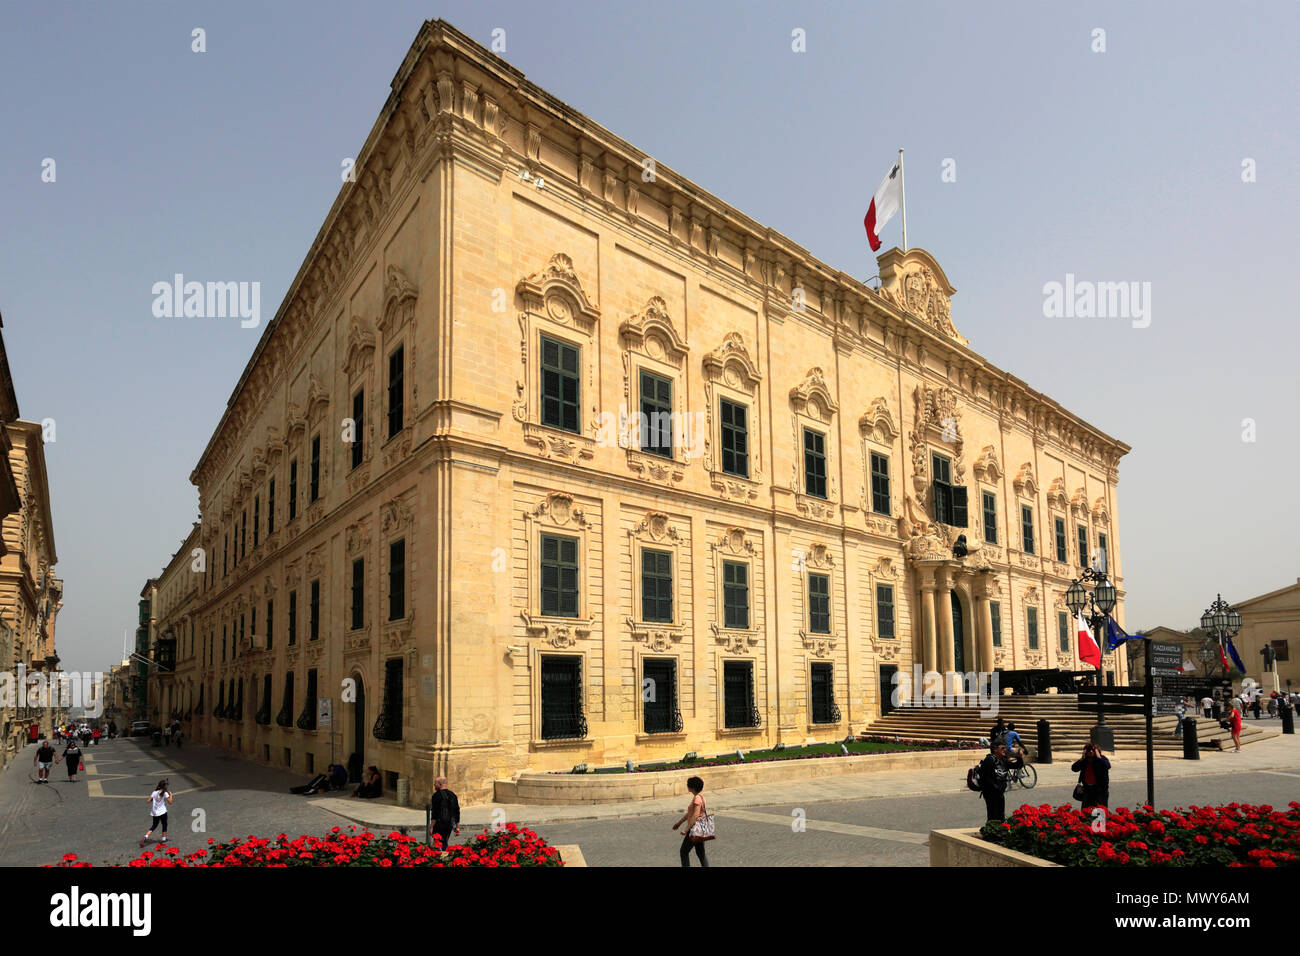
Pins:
x: 886, y: 202
x: 1089, y: 651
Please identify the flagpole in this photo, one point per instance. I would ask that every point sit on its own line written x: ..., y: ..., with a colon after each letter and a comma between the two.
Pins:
x: 902, y: 196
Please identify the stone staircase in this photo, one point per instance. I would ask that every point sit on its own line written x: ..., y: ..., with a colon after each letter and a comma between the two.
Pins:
x: 1069, y: 725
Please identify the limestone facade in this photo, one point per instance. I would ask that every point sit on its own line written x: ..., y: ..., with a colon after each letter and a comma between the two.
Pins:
x: 501, y: 576
x: 1272, y: 618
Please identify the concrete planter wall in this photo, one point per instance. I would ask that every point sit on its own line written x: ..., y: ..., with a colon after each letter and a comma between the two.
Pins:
x: 966, y: 848
x: 569, y: 788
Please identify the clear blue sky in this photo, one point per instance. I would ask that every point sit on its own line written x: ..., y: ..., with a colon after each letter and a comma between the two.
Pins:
x: 1116, y: 166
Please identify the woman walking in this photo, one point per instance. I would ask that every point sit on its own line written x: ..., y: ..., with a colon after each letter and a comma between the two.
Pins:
x: 1093, y: 788
x: 158, y: 801
x: 694, y: 810
x: 72, y: 754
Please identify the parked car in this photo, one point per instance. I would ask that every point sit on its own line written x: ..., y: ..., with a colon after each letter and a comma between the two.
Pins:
x: 139, y: 728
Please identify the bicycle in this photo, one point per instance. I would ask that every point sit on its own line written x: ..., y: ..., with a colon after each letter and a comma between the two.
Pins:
x: 1026, y: 776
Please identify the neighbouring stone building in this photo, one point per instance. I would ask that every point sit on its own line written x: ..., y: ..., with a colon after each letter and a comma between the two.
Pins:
x: 1273, y: 619
x: 173, y: 641
x: 422, y: 502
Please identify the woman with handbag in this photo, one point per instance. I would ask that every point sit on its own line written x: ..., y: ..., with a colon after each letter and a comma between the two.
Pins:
x: 699, y: 824
x: 1093, y: 788
x: 72, y: 754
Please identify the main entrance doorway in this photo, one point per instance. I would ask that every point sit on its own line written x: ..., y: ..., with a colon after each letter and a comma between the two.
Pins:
x: 887, y: 672
x: 958, y: 637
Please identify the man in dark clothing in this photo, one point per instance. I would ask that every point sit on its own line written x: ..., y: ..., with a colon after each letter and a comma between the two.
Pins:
x: 993, y: 777
x: 444, y: 812
x: 998, y: 732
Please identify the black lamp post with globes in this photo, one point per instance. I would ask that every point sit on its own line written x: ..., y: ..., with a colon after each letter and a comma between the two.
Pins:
x: 1095, y: 605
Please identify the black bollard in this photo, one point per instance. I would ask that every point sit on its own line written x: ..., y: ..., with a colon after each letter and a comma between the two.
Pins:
x: 1044, y: 742
x: 1191, y: 749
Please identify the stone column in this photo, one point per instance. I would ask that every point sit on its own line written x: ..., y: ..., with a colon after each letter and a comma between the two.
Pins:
x: 943, y: 582
x: 985, y: 627
x: 929, y: 660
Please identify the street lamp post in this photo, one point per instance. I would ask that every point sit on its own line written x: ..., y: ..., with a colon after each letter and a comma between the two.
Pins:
x: 1222, y: 620
x: 1099, y: 602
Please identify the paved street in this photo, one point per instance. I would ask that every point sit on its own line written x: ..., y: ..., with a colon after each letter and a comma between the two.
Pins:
x: 869, y: 819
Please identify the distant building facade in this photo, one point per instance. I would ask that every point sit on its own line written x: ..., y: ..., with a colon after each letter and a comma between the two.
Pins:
x: 424, y: 502
x: 1272, y: 619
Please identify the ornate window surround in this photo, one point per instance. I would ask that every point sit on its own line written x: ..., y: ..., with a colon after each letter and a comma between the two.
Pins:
x: 1034, y: 656
x: 818, y: 560
x: 535, y: 654
x: 879, y: 434
x: 720, y: 657
x: 396, y: 522
x: 835, y: 696
x: 397, y: 328
x: 558, y: 513
x: 556, y: 304
x: 734, y: 544
x: 639, y: 656
x: 813, y: 408
x: 651, y: 343
x: 657, y: 531
x: 730, y: 373
x: 890, y: 572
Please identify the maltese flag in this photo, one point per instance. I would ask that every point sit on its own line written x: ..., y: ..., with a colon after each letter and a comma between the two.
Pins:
x: 884, y: 204
x: 1089, y: 651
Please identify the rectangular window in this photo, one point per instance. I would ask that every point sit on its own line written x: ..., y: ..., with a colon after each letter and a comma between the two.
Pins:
x: 396, y: 395
x: 243, y: 536
x: 308, y: 721
x: 389, y: 725
x: 990, y: 518
x: 656, y: 586
x: 270, y: 620
x: 814, y: 463
x: 270, y: 507
x: 257, y: 518
x: 358, y: 427
x: 293, y: 489
x: 949, y: 500
x: 880, y: 484
x: 823, y: 694
x: 358, y: 594
x: 315, y: 467
x: 1063, y: 630
x: 225, y: 553
x: 738, y: 693
x: 885, y: 610
x: 313, y: 617
x: 397, y: 580
x: 1059, y: 524
x: 559, y: 576
x: 1031, y: 619
x: 735, y: 439
x: 1103, y: 556
x: 657, y: 414
x: 293, y: 618
x: 819, y: 603
x: 735, y: 594
x: 562, y: 698
x: 995, y: 618
x: 285, y: 717
x: 560, y: 384
x: 659, y: 696
x: 1027, y: 528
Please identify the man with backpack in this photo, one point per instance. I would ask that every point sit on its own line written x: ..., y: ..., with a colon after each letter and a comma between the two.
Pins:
x: 444, y: 812
x: 990, y: 778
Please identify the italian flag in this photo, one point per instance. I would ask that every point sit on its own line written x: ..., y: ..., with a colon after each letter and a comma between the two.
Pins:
x: 1089, y: 651
x: 883, y: 205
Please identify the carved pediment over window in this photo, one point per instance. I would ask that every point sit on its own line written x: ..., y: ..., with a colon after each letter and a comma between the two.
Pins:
x: 556, y: 292
x: 361, y: 347
x: 274, y: 446
x: 731, y: 364
x: 735, y: 541
x: 986, y: 466
x: 652, y: 332
x: 1100, y: 513
x: 914, y: 282
x: 1031, y: 596
x: 561, y: 509
x: 819, y: 556
x: 1025, y: 484
x: 318, y: 399
x: 886, y: 568
x: 292, y: 574
x: 656, y: 525
x: 399, y: 301
x: 358, y: 537
x: 395, y: 515
x: 1079, y: 502
x: 734, y: 641
x: 258, y: 467
x: 1056, y: 497
x: 296, y: 422
x: 813, y: 397
x: 316, y: 561
x: 877, y: 424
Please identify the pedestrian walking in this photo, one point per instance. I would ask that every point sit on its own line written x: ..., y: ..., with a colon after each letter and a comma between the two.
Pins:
x: 993, y: 777
x: 94, y: 737
x: 695, y: 813
x: 41, y: 761
x: 176, y: 732
x: 112, y: 730
x: 1272, y: 705
x: 1181, y: 712
x: 1235, y: 726
x: 158, y: 802
x: 1093, y: 788
x: 1255, y: 707
x: 1207, y: 707
x: 167, y: 733
x: 444, y: 813
x: 72, y: 754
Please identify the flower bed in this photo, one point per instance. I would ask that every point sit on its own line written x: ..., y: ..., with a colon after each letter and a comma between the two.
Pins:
x: 1238, y: 834
x: 511, y: 845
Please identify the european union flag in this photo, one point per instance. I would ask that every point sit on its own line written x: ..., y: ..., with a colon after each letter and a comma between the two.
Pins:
x: 1115, y: 635
x: 1232, y: 650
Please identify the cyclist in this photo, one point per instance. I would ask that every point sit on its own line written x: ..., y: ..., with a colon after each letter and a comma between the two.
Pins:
x: 1014, y: 744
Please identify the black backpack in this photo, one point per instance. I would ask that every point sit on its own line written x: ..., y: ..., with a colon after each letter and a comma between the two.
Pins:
x: 973, y: 781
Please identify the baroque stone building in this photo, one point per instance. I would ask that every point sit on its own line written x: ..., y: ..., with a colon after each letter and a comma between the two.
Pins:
x: 433, y: 499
